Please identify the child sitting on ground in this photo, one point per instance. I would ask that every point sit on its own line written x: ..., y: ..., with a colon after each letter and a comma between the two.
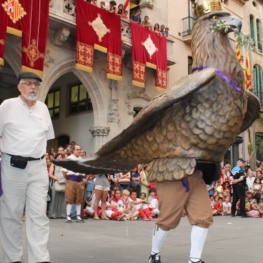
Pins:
x: 226, y: 207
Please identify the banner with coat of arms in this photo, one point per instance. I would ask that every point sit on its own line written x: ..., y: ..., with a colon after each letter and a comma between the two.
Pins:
x: 101, y: 30
x: 28, y: 19
x: 149, y: 49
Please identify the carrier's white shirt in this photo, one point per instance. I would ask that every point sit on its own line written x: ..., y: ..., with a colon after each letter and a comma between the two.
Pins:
x: 24, y: 130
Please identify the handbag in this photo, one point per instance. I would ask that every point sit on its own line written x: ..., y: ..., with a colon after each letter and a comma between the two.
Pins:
x: 60, y: 185
x: 135, y: 184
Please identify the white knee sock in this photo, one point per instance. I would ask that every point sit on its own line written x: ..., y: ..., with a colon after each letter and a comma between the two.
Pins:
x: 69, y: 209
x: 158, y: 239
x: 78, y: 208
x: 198, y: 237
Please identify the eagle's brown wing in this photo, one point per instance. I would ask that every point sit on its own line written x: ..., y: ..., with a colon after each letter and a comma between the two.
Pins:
x: 253, y: 109
x: 143, y: 122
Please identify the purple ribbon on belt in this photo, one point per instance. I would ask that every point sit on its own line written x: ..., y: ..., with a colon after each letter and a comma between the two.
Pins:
x: 222, y: 75
x: 1, y: 190
x: 75, y: 178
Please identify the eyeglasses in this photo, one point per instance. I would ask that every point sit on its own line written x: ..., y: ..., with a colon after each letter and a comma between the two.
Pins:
x: 30, y: 83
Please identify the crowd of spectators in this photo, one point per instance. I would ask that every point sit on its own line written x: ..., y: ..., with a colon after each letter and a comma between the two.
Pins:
x: 128, y: 195
x: 220, y: 192
x: 121, y: 196
x: 134, y: 16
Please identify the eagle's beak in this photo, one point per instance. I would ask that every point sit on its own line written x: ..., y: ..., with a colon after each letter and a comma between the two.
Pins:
x: 234, y: 23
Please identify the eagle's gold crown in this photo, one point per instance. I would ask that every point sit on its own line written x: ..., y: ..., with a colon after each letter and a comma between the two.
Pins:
x: 202, y: 7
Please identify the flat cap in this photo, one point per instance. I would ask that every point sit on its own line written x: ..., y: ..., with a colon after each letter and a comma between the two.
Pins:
x: 241, y: 160
x: 29, y: 75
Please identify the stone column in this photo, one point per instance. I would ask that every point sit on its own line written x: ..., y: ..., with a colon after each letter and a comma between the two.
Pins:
x: 100, y: 134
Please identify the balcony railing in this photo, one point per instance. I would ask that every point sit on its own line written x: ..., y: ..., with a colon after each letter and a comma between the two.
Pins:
x: 63, y: 12
x: 188, y: 23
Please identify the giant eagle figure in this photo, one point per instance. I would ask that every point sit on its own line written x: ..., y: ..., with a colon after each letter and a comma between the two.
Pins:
x: 193, y: 123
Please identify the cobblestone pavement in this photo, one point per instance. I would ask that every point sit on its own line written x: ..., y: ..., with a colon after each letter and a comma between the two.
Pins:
x: 234, y: 240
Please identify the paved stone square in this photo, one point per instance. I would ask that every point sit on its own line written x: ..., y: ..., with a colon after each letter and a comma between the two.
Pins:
x: 234, y: 240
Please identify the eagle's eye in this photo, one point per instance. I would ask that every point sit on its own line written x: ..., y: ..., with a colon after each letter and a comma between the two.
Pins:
x: 214, y: 18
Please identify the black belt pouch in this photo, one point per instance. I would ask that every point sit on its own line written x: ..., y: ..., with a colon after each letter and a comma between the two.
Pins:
x: 18, y: 162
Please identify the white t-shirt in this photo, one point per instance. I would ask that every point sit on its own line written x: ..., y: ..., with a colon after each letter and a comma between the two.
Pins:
x: 25, y: 130
x: 227, y: 206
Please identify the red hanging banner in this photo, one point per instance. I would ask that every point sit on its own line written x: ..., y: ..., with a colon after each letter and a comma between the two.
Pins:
x: 101, y: 30
x: 148, y: 49
x: 3, y: 28
x: 29, y: 19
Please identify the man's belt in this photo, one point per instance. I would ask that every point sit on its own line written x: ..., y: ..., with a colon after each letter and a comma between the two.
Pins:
x: 75, y: 178
x: 28, y: 158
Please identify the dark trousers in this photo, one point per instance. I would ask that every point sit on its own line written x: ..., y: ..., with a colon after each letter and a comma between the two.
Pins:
x: 239, y: 193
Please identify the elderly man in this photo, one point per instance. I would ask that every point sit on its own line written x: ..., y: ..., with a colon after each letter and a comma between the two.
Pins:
x: 25, y: 127
x: 74, y: 193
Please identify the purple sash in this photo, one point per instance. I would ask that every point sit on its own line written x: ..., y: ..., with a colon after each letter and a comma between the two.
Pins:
x: 1, y: 190
x: 75, y: 178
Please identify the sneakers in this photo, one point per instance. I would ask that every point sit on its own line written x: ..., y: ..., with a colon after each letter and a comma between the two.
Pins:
x: 155, y: 258
x: 79, y: 219
x: 68, y: 219
x: 199, y: 261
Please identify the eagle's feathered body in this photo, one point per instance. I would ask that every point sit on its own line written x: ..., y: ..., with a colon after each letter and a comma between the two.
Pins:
x: 198, y: 119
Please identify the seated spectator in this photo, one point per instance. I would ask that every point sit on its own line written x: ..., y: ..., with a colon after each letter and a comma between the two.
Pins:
x: 247, y: 204
x: 136, y: 17
x: 219, y: 187
x: 139, y: 206
x: 226, y: 186
x: 215, y: 193
x: 146, y: 22
x: 123, y: 204
x: 153, y: 203
x: 255, y: 206
x: 212, y: 201
x: 226, y: 193
x: 218, y: 206
x: 227, y: 207
x: 210, y: 189
x: 259, y: 173
x: 257, y: 186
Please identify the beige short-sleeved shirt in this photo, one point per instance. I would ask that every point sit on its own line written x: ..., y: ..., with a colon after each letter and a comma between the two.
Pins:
x: 24, y: 130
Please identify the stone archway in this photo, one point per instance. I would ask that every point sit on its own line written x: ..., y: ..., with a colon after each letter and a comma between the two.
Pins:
x: 98, y: 101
